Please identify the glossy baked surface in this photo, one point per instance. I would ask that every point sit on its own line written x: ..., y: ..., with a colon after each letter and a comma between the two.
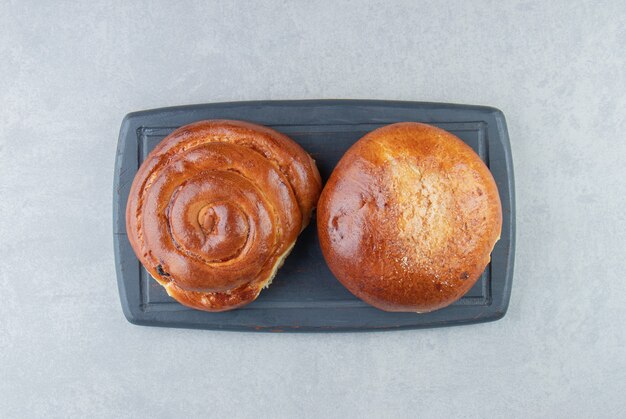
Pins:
x: 409, y: 217
x: 216, y: 207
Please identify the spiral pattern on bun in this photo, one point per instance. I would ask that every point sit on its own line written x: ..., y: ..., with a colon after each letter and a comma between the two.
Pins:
x: 215, y: 209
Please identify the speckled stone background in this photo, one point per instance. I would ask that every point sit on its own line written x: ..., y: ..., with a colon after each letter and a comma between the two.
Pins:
x: 69, y: 72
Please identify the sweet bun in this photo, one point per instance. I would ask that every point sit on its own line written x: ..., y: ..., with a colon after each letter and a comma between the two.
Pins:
x: 409, y: 217
x: 216, y: 207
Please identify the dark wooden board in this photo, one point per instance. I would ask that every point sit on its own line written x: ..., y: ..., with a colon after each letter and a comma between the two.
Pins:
x: 305, y: 296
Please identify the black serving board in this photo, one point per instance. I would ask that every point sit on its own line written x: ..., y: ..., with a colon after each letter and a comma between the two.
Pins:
x: 304, y: 295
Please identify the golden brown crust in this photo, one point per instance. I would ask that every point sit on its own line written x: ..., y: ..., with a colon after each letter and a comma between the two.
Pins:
x: 409, y: 217
x: 216, y: 207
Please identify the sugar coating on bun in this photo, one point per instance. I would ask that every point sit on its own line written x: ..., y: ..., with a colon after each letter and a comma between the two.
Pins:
x: 409, y: 217
x: 215, y: 209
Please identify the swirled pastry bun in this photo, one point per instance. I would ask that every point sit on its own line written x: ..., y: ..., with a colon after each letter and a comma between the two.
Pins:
x: 409, y: 217
x: 216, y: 207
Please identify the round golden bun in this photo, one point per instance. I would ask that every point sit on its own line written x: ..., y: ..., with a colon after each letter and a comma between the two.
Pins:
x: 409, y: 217
x: 216, y: 207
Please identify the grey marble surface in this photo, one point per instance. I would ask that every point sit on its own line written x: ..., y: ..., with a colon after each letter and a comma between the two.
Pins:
x: 69, y: 71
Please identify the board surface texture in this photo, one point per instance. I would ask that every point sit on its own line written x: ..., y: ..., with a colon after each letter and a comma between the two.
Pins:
x: 305, y: 296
